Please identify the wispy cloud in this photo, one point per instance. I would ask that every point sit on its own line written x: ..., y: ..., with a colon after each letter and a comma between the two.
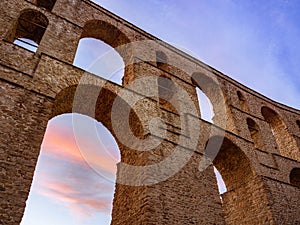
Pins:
x: 98, y: 150
x: 73, y: 177
x: 82, y: 193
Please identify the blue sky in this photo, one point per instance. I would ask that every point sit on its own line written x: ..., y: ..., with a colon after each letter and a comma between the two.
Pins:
x: 254, y: 42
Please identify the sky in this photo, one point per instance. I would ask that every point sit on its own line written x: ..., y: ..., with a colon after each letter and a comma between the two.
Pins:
x: 66, y: 189
x: 254, y: 42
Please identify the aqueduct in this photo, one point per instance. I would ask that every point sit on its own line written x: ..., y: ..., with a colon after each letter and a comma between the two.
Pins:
x: 254, y: 141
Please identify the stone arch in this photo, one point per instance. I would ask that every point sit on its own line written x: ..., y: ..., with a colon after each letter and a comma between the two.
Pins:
x: 214, y: 94
x: 206, y: 109
x: 295, y: 177
x: 115, y: 38
x: 298, y: 123
x: 242, y: 101
x: 166, y: 91
x: 233, y: 164
x: 29, y: 29
x: 100, y: 110
x: 161, y: 60
x: 104, y: 31
x: 255, y: 133
x: 165, y: 87
x: 99, y: 58
x: 81, y: 160
x: 47, y: 4
x: 285, y: 142
x: 245, y: 197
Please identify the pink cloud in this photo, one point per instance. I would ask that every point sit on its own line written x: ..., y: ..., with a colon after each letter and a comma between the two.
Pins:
x: 82, y: 202
x: 60, y: 142
x: 65, y: 175
x: 83, y: 192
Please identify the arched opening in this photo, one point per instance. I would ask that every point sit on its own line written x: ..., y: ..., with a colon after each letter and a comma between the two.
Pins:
x: 206, y: 108
x: 27, y: 44
x: 99, y: 58
x: 161, y: 60
x: 108, y: 55
x: 242, y: 101
x: 209, y: 98
x: 29, y: 30
x: 73, y: 183
x: 233, y: 164
x: 92, y: 169
x: 295, y: 177
x: 165, y: 88
x: 166, y: 91
x: 221, y: 184
x: 242, y: 189
x: 285, y: 142
x: 47, y: 4
x: 255, y: 134
x: 298, y: 123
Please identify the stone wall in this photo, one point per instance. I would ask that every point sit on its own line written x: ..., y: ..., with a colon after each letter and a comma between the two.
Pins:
x: 254, y: 141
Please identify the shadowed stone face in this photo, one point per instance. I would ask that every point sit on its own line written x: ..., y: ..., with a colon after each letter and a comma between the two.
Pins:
x: 295, y: 177
x: 47, y: 4
x: 31, y: 25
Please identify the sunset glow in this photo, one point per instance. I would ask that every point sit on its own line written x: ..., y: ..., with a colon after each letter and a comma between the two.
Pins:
x: 67, y: 179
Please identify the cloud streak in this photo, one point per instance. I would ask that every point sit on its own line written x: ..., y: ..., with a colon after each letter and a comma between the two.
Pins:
x: 84, y: 147
x: 83, y: 195
x: 69, y: 179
